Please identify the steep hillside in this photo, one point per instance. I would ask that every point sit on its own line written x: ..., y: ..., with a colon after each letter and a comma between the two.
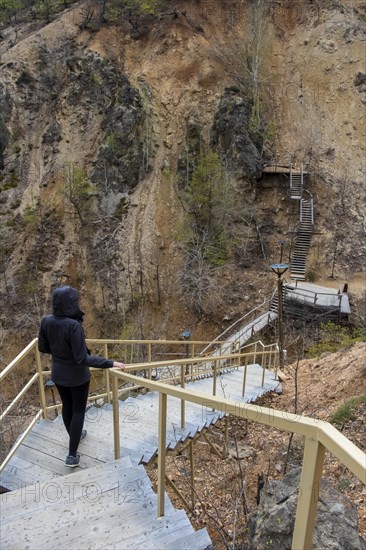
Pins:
x: 102, y: 127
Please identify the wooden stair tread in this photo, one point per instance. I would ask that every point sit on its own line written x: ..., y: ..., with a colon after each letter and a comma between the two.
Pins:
x: 199, y: 540
x: 101, y: 478
x: 140, y: 535
x: 123, y: 498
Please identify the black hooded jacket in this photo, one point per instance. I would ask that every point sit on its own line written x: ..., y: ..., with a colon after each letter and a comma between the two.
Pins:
x: 62, y: 335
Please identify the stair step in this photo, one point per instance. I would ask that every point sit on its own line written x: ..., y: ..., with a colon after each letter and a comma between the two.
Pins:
x: 198, y: 540
x: 100, y: 506
x: 79, y: 484
x: 134, y: 535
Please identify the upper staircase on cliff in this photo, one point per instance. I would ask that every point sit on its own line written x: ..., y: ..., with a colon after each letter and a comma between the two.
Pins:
x: 303, y: 238
x: 297, y: 178
x: 296, y: 183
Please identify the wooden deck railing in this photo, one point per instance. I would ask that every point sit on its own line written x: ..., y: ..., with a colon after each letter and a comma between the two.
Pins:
x: 319, y: 436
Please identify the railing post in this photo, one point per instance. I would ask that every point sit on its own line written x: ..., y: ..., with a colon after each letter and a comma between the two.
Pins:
x: 214, y: 378
x: 161, y: 453
x: 311, y: 473
x: 192, y: 472
x: 117, y: 446
x: 149, y: 357
x: 226, y: 438
x: 42, y: 394
x: 106, y: 376
x: 264, y: 357
x: 255, y: 353
x: 245, y: 375
x: 182, y: 402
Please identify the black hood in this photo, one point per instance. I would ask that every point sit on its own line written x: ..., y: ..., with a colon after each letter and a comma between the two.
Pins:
x: 66, y: 303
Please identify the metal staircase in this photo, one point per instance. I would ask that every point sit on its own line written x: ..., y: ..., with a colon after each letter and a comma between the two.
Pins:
x: 303, y: 238
x: 108, y: 503
x: 305, y: 229
x: 296, y: 183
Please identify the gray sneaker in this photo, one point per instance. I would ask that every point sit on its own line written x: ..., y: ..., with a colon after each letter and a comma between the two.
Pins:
x: 72, y: 461
x: 84, y: 433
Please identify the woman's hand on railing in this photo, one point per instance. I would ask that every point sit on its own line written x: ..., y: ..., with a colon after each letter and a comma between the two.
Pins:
x: 118, y: 365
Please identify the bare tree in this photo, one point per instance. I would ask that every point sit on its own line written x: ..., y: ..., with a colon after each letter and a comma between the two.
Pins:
x: 197, y: 276
x: 245, y: 57
x: 79, y: 191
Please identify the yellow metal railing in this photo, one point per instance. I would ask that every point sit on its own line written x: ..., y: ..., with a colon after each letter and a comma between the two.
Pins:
x: 319, y: 436
x: 31, y: 354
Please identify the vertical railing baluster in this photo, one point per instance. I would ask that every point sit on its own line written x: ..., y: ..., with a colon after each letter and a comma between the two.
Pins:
x: 106, y: 376
x: 191, y: 454
x: 311, y: 473
x: 161, y: 453
x: 245, y: 374
x: 117, y: 445
x: 42, y: 394
x: 149, y: 357
x: 214, y: 378
x: 264, y: 357
x: 182, y: 402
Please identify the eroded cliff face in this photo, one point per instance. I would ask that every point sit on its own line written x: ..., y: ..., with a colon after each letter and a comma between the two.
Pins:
x: 101, y: 129
x: 72, y: 144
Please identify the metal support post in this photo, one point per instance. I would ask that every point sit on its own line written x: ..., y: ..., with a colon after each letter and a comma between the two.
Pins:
x: 161, y: 452
x: 182, y: 402
x: 280, y: 322
x: 312, y: 467
x: 117, y: 447
x: 191, y: 454
x: 149, y: 356
x: 42, y: 394
x: 106, y: 376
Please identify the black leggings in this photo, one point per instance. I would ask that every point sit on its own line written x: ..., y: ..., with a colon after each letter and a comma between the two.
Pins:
x: 74, y: 401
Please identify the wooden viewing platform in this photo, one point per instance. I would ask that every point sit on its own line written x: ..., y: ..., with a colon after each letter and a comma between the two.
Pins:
x: 321, y: 297
x: 282, y: 169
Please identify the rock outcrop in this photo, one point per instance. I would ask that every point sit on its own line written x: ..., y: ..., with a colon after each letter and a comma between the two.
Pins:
x: 231, y: 135
x: 272, y: 524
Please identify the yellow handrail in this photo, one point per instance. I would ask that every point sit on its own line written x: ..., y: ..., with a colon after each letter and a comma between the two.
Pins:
x: 318, y: 436
x: 18, y: 358
x: 40, y: 373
